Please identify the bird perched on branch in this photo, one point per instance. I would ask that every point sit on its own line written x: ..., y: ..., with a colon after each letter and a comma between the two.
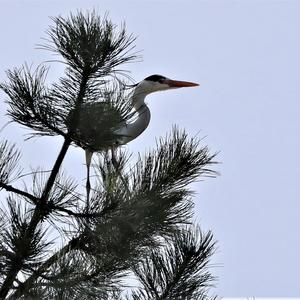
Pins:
x: 91, y: 129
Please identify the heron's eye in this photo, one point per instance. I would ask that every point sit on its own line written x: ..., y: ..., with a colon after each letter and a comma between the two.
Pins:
x: 161, y: 80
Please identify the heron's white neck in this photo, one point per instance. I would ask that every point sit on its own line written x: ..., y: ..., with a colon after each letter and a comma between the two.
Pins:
x: 132, y: 130
x: 138, y: 97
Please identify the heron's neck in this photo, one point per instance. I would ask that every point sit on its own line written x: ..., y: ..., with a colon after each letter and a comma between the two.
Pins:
x: 138, y: 98
x: 141, y: 122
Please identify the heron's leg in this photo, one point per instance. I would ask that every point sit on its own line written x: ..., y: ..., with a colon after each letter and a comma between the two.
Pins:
x: 88, y: 159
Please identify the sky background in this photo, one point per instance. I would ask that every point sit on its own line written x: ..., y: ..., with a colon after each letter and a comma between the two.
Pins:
x: 245, y: 55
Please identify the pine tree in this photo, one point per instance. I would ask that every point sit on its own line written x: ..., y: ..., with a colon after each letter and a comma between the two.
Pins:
x: 138, y: 222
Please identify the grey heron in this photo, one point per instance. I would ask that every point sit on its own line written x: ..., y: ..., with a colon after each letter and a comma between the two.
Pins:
x: 126, y: 132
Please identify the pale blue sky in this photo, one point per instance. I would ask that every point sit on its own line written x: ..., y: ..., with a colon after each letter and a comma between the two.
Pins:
x: 245, y: 55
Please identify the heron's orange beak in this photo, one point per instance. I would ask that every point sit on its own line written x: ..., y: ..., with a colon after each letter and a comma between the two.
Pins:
x: 179, y: 84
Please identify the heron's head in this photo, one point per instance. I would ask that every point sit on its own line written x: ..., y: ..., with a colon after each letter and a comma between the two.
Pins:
x: 155, y: 83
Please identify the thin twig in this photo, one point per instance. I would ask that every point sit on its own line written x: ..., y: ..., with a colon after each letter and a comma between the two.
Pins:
x: 12, y: 189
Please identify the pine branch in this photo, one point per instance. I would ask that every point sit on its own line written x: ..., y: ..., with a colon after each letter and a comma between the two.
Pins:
x: 128, y: 224
x: 12, y: 189
x: 89, y: 43
x: 71, y: 279
x: 29, y: 101
x: 55, y: 203
x: 92, y: 49
x: 179, y: 270
x: 38, y: 215
x: 134, y: 222
x: 160, y: 180
x: 41, y: 209
x: 17, y: 251
x: 25, y: 286
x: 175, y: 163
x: 9, y: 159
